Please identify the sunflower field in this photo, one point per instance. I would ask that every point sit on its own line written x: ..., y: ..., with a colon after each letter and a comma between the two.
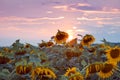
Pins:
x: 59, y: 59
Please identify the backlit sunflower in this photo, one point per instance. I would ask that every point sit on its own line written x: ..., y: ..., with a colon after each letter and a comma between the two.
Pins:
x: 42, y: 73
x: 93, y: 68
x: 113, y: 54
x: 107, y: 70
x: 87, y: 40
x: 49, y: 43
x: 61, y: 37
x: 23, y: 69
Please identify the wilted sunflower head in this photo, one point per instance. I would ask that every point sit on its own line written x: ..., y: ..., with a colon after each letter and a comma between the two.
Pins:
x: 49, y: 43
x: 61, y: 37
x: 87, y: 40
x: 113, y: 54
x: 23, y: 69
x: 4, y: 60
x: 107, y: 70
x: 42, y: 73
x: 43, y: 44
x: 93, y: 68
x: 72, y: 53
x: 21, y: 52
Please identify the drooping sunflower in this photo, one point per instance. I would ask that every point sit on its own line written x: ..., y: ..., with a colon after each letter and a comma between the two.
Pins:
x: 43, y: 44
x: 42, y: 73
x: 94, y: 68
x: 73, y: 74
x: 87, y: 40
x: 70, y: 71
x: 23, y: 69
x: 113, y: 54
x: 20, y: 52
x: 108, y: 70
x: 49, y: 43
x: 76, y: 76
x: 4, y: 60
x: 61, y: 37
x: 72, y: 53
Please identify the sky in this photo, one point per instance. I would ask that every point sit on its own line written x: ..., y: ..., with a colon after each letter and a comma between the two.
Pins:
x: 34, y: 20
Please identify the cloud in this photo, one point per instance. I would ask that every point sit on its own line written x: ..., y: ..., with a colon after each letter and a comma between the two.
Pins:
x: 92, y: 19
x: 14, y: 18
x: 87, y: 8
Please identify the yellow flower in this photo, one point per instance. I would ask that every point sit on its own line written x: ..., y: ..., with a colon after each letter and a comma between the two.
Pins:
x: 61, y: 37
x: 87, y: 40
x: 107, y: 70
x: 73, y: 74
x: 42, y: 73
x: 77, y: 76
x: 70, y: 71
x: 113, y: 54
x: 93, y: 68
x: 23, y: 69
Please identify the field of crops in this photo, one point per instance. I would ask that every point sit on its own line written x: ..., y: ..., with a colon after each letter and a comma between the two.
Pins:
x: 59, y: 59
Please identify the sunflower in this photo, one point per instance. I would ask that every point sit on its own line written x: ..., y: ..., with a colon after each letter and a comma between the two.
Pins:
x: 72, y: 53
x: 49, y: 44
x: 42, y: 73
x: 87, y: 40
x: 4, y: 60
x: 76, y: 76
x: 27, y: 45
x: 113, y: 54
x: 93, y: 68
x: 23, y: 69
x: 43, y: 44
x: 61, y: 37
x: 70, y: 71
x: 107, y: 70
x: 73, y: 74
x: 21, y: 52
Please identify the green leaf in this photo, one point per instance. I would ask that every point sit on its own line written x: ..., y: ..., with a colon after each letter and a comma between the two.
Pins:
x: 83, y: 62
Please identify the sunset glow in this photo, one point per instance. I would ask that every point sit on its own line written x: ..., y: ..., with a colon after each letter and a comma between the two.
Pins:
x: 34, y: 20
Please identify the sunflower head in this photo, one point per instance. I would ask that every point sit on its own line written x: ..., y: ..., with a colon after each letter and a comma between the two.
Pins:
x: 93, y: 68
x: 21, y: 52
x: 4, y: 60
x: 43, y: 73
x: 49, y: 44
x: 76, y: 76
x: 43, y: 44
x: 113, y: 54
x: 107, y: 70
x: 23, y: 69
x: 72, y: 53
x: 61, y: 37
x: 27, y: 45
x: 87, y: 40
x: 70, y: 71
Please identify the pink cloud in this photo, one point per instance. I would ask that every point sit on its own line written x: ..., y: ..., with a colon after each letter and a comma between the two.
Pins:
x: 14, y: 18
x: 93, y: 19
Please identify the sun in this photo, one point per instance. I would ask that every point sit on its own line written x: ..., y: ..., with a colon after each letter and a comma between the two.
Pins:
x: 71, y: 35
